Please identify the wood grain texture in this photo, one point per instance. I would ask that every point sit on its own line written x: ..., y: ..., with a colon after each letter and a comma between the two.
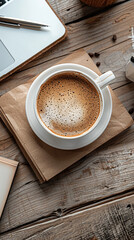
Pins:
x: 71, y: 11
x: 99, y: 3
x: 113, y: 221
x: 106, y: 172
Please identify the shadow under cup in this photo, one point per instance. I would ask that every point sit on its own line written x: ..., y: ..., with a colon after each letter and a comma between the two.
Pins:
x: 52, y: 89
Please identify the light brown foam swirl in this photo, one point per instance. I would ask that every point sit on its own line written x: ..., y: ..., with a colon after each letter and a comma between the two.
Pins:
x: 68, y: 104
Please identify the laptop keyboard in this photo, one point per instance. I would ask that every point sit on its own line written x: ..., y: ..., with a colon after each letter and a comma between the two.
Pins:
x: 2, y: 2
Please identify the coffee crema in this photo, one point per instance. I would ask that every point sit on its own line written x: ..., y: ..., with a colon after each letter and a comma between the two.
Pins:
x: 68, y: 104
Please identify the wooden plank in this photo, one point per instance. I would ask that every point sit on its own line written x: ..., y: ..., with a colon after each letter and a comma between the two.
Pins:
x: 95, y: 35
x: 8, y: 146
x: 70, y: 11
x: 126, y: 95
x: 108, y: 221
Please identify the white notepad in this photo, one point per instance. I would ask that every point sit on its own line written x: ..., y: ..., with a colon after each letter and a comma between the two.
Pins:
x: 7, y: 171
x: 22, y: 43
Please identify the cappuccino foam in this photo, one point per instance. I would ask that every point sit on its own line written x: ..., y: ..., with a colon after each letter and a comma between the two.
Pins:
x: 68, y: 104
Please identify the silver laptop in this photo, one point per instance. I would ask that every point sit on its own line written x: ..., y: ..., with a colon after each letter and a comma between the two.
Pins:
x: 17, y: 45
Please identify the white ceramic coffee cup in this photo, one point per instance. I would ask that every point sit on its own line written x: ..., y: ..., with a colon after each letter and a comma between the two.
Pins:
x: 101, y: 82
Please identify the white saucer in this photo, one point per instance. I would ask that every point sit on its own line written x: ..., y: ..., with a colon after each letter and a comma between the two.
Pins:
x: 88, y: 139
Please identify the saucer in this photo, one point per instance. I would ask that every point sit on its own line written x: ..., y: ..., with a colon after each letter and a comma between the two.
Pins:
x: 69, y: 144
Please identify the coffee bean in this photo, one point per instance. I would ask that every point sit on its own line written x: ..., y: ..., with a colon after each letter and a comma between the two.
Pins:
x: 131, y: 110
x: 97, y: 54
x: 98, y: 64
x: 91, y: 55
x: 114, y: 38
x: 132, y: 59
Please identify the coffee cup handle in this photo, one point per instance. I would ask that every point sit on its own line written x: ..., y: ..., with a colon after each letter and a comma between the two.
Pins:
x: 104, y: 79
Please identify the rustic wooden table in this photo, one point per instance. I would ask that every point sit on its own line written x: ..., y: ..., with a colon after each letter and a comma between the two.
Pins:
x: 94, y: 198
